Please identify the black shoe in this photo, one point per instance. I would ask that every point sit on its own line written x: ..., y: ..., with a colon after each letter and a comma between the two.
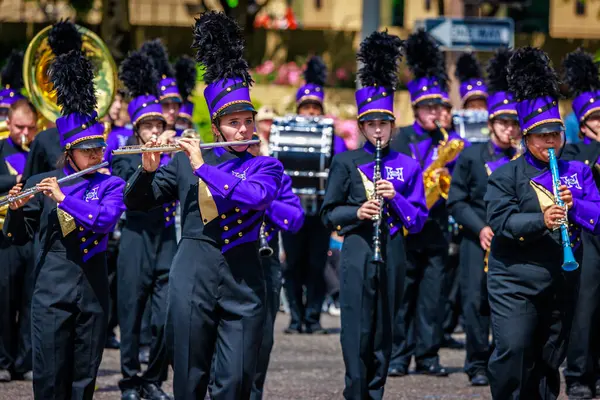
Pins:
x: 315, y: 329
x: 432, y: 370
x: 5, y: 375
x: 130, y: 394
x: 577, y: 391
x: 450, y: 343
x: 479, y: 379
x: 397, y: 371
x: 152, y: 391
x: 144, y: 355
x: 292, y: 330
x: 112, y: 343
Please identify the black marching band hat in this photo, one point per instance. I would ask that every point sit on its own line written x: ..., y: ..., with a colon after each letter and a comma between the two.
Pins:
x: 167, y: 85
x: 501, y: 103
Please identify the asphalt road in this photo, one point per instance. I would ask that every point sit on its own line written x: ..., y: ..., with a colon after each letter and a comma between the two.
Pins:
x: 303, y: 367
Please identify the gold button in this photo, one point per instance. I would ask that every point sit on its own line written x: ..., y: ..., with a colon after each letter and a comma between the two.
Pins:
x: 522, y: 239
x: 226, y: 241
x: 174, y: 204
x: 306, y: 91
x: 587, y: 162
x: 127, y: 184
x: 90, y: 216
x: 391, y: 225
x: 9, y: 234
x: 85, y: 251
x: 369, y: 99
x: 229, y: 89
x: 591, y: 100
x: 460, y: 227
x: 469, y: 87
x: 205, y: 220
x: 174, y: 213
x: 239, y: 221
x: 285, y: 221
x: 144, y: 105
x: 338, y: 228
x: 478, y: 83
x: 424, y: 88
x: 317, y: 89
x: 167, y: 219
x: 223, y: 216
x: 591, y: 221
x: 163, y: 88
x: 82, y: 240
x: 83, y: 126
x: 96, y: 242
x: 554, y: 103
x: 572, y: 244
x: 81, y: 229
x: 240, y: 234
x: 237, y: 209
x: 408, y: 218
x: 166, y: 209
x: 225, y: 228
x: 384, y: 94
x: 226, y: 187
x: 505, y: 101
x: 539, y: 110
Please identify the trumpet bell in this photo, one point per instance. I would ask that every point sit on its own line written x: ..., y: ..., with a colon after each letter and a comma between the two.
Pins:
x: 3, y: 130
x: 38, y: 58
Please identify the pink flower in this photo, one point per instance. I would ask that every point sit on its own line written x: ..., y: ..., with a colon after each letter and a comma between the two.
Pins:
x: 294, y: 77
x: 266, y: 68
x: 341, y: 74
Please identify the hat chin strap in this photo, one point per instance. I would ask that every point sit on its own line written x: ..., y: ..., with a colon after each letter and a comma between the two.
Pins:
x: 74, y: 164
x: 591, y: 129
x: 229, y: 148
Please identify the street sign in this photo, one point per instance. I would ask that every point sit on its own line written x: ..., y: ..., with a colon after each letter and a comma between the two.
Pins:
x: 476, y: 34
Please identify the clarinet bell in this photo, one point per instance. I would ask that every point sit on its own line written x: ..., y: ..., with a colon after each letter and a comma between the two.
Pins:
x: 377, y: 256
x: 265, y: 251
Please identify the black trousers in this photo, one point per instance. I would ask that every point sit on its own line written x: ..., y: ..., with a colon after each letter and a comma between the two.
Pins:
x: 16, y: 287
x: 306, y: 255
x: 473, y: 282
x: 369, y: 296
x: 532, y: 309
x: 143, y: 271
x: 420, y: 316
x: 453, y: 307
x: 583, y: 351
x: 112, y: 257
x: 272, y: 270
x: 69, y: 315
x: 216, y: 304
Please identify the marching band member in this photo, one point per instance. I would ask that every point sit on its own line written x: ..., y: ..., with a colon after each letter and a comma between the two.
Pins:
x: 168, y: 94
x: 70, y: 300
x: 581, y: 75
x: 118, y: 135
x: 473, y: 90
x: 186, y: 75
x: 427, y: 252
x: 306, y: 250
x: 531, y: 297
x: 216, y: 284
x: 147, y: 245
x: 369, y: 289
x: 285, y: 214
x: 264, y: 120
x: 465, y: 201
x: 16, y: 279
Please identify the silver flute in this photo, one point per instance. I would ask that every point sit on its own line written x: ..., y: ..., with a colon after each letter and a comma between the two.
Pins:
x: 171, y: 148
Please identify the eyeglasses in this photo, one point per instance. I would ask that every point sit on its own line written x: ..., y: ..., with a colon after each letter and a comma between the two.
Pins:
x: 95, y: 150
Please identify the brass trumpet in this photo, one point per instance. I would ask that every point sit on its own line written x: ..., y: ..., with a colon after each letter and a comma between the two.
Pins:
x: 173, y: 148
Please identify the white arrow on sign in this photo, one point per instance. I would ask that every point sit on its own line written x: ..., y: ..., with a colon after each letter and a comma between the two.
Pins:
x: 443, y: 33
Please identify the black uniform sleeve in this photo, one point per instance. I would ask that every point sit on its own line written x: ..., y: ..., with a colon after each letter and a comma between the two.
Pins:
x: 21, y: 224
x: 7, y: 182
x: 335, y: 212
x: 503, y: 212
x: 146, y: 190
x: 123, y: 167
x: 459, y: 197
x: 36, y: 160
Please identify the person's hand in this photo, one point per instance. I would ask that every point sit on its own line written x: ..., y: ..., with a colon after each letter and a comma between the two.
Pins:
x: 167, y: 137
x: 191, y: 147
x: 385, y: 189
x: 439, y: 171
x: 151, y: 160
x: 553, y: 216
x: 21, y: 202
x: 49, y: 186
x: 565, y: 195
x: 485, y: 237
x: 104, y: 171
x: 368, y: 210
x: 19, y: 177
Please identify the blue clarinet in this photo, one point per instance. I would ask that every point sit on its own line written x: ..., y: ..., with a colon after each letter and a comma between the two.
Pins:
x: 569, y: 263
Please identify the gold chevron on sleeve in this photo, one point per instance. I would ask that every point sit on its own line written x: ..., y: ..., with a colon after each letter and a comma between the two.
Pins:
x: 368, y: 184
x: 66, y: 220
x: 206, y: 203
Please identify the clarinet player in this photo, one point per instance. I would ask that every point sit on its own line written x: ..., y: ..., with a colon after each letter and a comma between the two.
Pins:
x: 531, y: 294
x: 353, y: 199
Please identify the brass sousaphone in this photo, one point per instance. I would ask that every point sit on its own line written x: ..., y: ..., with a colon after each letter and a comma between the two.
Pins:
x: 37, y: 60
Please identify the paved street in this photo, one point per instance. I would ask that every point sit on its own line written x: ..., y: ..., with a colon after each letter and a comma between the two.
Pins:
x: 303, y: 367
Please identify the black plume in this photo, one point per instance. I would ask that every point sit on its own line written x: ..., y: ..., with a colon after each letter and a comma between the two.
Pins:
x: 467, y: 67
x: 64, y: 37
x: 581, y: 72
x: 72, y: 75
x: 380, y: 54
x: 530, y: 75
x: 219, y: 45
x: 424, y: 58
x: 186, y: 75
x: 497, y: 70
x: 159, y: 56
x: 12, y: 73
x: 138, y: 74
x: 316, y: 71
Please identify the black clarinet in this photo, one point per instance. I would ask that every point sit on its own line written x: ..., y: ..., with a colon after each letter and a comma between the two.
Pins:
x: 377, y: 218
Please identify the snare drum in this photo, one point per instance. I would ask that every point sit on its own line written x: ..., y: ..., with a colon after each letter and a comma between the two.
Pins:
x: 304, y: 145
